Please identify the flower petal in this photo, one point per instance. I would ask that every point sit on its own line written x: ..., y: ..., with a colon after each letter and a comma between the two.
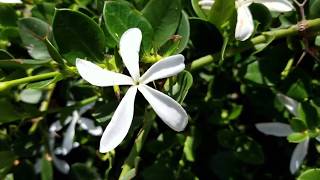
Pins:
x: 276, y: 5
x: 56, y: 126
x: 289, y: 103
x: 11, y: 1
x: 245, y: 26
x: 61, y: 165
x: 206, y: 4
x: 86, y: 108
x: 274, y: 129
x: 97, y: 76
x: 298, y: 155
x: 167, y: 67
x: 120, y: 123
x: 88, y: 125
x: 166, y: 108
x: 129, y: 50
x: 69, y: 135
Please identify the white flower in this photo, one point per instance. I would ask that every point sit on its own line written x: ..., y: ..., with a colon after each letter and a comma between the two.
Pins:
x: 245, y: 26
x: 60, y: 164
x: 85, y: 123
x: 11, y: 1
x: 283, y: 130
x: 165, y: 107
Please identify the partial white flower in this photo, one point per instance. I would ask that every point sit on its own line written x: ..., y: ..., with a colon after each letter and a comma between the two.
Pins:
x: 245, y: 25
x: 283, y: 130
x: 87, y: 124
x: 166, y: 108
x: 11, y: 1
x: 291, y: 104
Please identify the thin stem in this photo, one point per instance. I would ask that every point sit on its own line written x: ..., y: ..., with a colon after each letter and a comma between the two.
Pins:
x: 8, y: 84
x: 131, y: 161
x: 313, y: 25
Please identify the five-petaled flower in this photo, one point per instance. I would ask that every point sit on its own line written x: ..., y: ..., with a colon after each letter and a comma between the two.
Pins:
x: 283, y: 130
x: 245, y: 26
x: 165, y: 107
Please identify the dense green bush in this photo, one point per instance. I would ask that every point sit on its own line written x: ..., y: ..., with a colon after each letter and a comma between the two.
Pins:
x: 219, y: 79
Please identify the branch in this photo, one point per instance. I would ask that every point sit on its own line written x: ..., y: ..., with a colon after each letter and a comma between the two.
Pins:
x: 312, y: 25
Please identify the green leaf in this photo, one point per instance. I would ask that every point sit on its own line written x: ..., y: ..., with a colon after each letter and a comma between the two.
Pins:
x: 5, y: 55
x: 298, y: 125
x: 46, y: 168
x: 298, y: 90
x: 8, y: 111
x: 222, y: 13
x: 78, y: 36
x: 44, y: 11
x: 197, y: 9
x: 308, y: 113
x: 297, y: 137
x: 7, y: 159
x: 129, y: 175
x: 44, y: 83
x: 31, y: 96
x: 314, y: 9
x: 119, y: 16
x: 184, y: 32
x: 317, y: 41
x: 311, y: 174
x: 188, y: 149
x: 55, y: 55
x: 180, y: 89
x: 22, y: 63
x: 164, y: 17
x: 33, y: 31
x: 8, y: 16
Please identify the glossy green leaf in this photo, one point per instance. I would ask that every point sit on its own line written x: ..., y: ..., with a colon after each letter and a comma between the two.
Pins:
x: 119, y: 16
x: 298, y: 125
x: 310, y: 174
x: 8, y: 111
x: 33, y: 33
x: 164, y: 16
x: 31, y: 96
x: 44, y: 11
x: 198, y: 10
x: 8, y: 16
x: 184, y: 32
x: 308, y: 113
x: 180, y: 89
x: 5, y: 55
x: 314, y: 9
x: 78, y: 36
x: 221, y: 13
x: 55, y: 55
x: 44, y: 83
x: 297, y: 137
